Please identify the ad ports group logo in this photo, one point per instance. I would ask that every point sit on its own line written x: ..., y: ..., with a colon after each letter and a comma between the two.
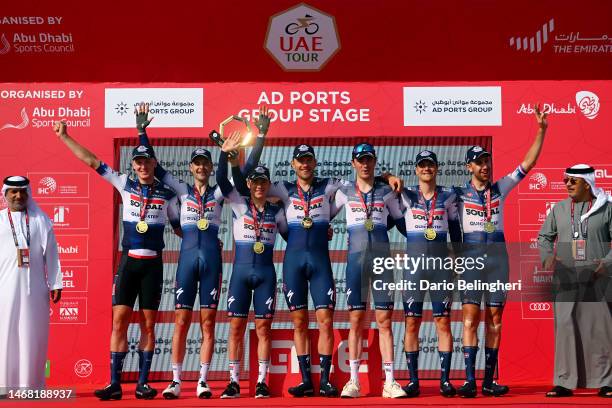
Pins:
x: 302, y: 38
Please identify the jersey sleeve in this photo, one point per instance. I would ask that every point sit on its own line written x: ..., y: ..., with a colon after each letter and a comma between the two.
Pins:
x: 338, y: 202
x: 281, y: 223
x: 333, y: 184
x: 278, y: 189
x: 178, y: 186
x: 392, y: 201
x: 452, y: 211
x: 507, y: 183
x: 237, y: 202
x: 240, y: 180
x: 222, y: 180
x: 118, y: 180
x: 255, y: 155
x: 174, y: 212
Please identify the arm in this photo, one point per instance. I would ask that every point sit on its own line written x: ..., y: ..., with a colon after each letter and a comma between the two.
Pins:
x: 337, y: 203
x: 281, y: 223
x: 240, y: 181
x: 454, y: 226
x: 230, y: 144
x: 534, y: 151
x: 81, y: 153
x: 174, y: 216
x: 263, y: 124
x: 142, y: 121
x: 396, y: 217
x: 396, y: 183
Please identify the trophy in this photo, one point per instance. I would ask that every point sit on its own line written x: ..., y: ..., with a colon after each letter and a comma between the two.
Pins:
x: 218, y: 138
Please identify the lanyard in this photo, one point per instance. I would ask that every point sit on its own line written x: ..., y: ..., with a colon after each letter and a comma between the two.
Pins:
x: 8, y: 211
x: 367, y: 208
x: 255, y: 215
x: 201, y: 200
x: 144, y: 201
x: 305, y: 203
x: 429, y: 211
x: 487, y: 203
x: 583, y: 234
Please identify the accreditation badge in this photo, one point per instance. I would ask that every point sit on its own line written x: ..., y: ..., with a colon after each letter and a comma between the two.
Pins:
x: 23, y: 257
x: 142, y: 227
x: 489, y: 227
x: 307, y: 222
x: 369, y: 224
x: 579, y: 249
x: 202, y: 224
x: 258, y: 247
x: 430, y: 234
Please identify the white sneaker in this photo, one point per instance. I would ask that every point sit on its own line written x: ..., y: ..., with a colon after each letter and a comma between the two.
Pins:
x: 351, y: 389
x: 172, y: 391
x: 392, y: 389
x: 203, y: 390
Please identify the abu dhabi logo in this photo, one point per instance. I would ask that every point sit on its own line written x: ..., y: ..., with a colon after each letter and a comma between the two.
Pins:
x: 6, y: 46
x: 588, y: 103
x: 535, y: 41
x: 25, y: 121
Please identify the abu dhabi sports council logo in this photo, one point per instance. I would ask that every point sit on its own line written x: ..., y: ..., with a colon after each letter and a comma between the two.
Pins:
x: 25, y: 120
x: 6, y: 46
x: 534, y: 42
x: 537, y: 181
x: 47, y: 185
x: 588, y: 103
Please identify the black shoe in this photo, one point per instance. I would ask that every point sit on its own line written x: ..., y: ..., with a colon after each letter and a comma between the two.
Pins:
x: 559, y: 391
x: 328, y: 390
x: 494, y: 390
x: 447, y: 389
x: 468, y: 389
x: 110, y: 392
x: 262, y: 390
x: 232, y: 390
x: 605, y: 392
x: 302, y: 390
x: 144, y: 391
x: 412, y: 390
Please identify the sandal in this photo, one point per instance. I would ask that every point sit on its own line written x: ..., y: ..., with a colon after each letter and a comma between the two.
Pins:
x: 605, y: 392
x: 559, y: 391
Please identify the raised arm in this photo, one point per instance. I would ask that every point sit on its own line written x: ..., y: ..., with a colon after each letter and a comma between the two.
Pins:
x: 534, y: 151
x: 262, y: 123
x: 81, y: 153
x: 231, y: 143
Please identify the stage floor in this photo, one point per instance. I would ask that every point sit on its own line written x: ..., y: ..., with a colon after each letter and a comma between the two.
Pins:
x: 520, y: 394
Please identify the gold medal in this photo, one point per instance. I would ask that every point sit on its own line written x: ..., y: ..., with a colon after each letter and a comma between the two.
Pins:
x: 258, y: 247
x: 369, y: 224
x: 489, y: 227
x: 142, y: 227
x: 430, y: 234
x: 307, y: 222
x: 202, y: 224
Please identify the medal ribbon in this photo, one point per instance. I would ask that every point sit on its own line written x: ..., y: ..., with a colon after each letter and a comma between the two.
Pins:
x: 201, y: 200
x: 255, y: 215
x: 368, y: 209
x: 583, y: 234
x: 487, y: 204
x: 305, y: 203
x: 13, y: 228
x: 144, y: 201
x: 429, y: 211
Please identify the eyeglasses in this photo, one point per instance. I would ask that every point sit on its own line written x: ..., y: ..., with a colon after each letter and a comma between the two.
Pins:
x: 571, y: 180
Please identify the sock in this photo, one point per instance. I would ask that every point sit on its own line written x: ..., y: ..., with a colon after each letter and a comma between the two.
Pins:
x: 145, y: 358
x: 325, y: 362
x: 204, y: 371
x: 445, y: 362
x: 388, y: 367
x: 354, y: 364
x: 412, y: 360
x: 490, y: 364
x: 469, y: 353
x: 304, y: 362
x: 117, y: 358
x: 263, y: 370
x: 177, y: 368
x: 234, y: 369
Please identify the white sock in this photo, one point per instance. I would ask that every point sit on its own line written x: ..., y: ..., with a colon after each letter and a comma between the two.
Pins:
x: 177, y: 368
x: 263, y: 370
x: 204, y: 371
x: 234, y: 369
x: 388, y: 367
x: 354, y: 364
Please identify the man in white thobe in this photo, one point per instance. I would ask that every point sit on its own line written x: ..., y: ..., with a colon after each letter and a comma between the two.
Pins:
x: 29, y: 275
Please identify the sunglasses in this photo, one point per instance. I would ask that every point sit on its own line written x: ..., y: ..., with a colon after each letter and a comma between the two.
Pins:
x: 571, y: 180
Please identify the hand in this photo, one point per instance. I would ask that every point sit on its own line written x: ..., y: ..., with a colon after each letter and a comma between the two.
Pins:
x: 55, y: 295
x: 330, y: 233
x: 232, y: 143
x: 601, y: 269
x: 549, y: 263
x: 60, y: 128
x: 142, y: 117
x: 262, y: 123
x: 396, y: 183
x: 541, y: 117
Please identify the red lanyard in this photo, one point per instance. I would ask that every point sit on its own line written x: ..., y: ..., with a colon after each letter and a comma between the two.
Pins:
x: 305, y: 203
x: 429, y: 211
x: 255, y: 215
x: 144, y: 201
x: 583, y: 234
x: 8, y: 211
x: 368, y: 209
x: 487, y: 204
x: 201, y: 200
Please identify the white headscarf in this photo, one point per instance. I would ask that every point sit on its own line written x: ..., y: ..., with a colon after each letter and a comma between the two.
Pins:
x: 586, y: 172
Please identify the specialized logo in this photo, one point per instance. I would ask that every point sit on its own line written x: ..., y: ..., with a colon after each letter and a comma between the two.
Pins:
x: 303, y: 148
x: 290, y: 295
x: 302, y: 38
x: 348, y: 294
x: 214, y: 293
x: 270, y: 303
x: 24, y: 122
x: 179, y: 292
x: 539, y: 307
x: 535, y: 41
x: 230, y: 301
x: 588, y: 103
x: 83, y: 368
